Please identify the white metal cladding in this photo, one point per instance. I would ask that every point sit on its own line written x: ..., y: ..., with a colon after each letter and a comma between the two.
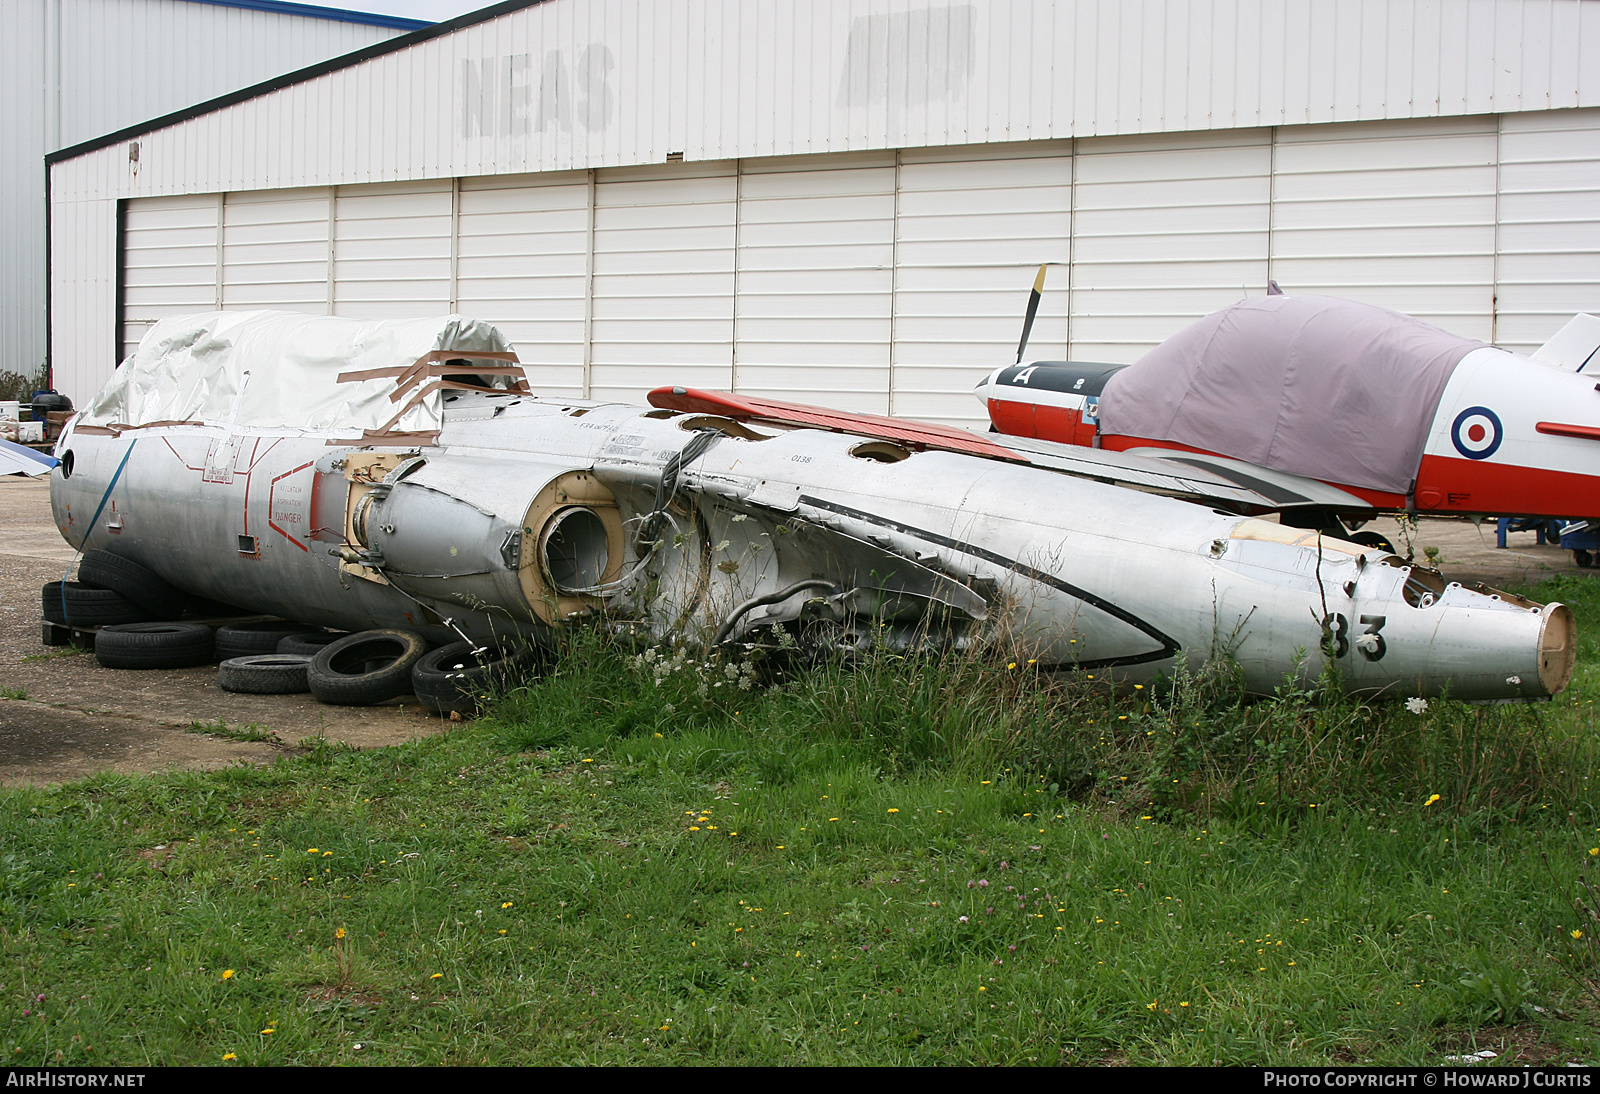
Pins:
x: 569, y: 84
x: 890, y: 282
x: 523, y: 262
x: 1548, y: 260
x: 815, y: 279
x: 565, y: 86
x: 22, y: 204
x: 1398, y: 214
x: 275, y: 250
x: 1165, y: 230
x: 663, y: 279
x: 71, y: 70
x: 967, y: 231
x: 170, y: 261
x: 392, y: 250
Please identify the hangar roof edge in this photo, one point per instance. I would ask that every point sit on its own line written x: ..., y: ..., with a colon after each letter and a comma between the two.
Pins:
x: 318, y: 11
x: 288, y: 79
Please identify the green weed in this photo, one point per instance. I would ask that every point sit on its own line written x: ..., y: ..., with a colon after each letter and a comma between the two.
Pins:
x: 220, y: 728
x: 943, y: 859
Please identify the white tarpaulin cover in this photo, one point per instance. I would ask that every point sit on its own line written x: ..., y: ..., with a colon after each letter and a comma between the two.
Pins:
x: 265, y: 369
x: 1330, y: 389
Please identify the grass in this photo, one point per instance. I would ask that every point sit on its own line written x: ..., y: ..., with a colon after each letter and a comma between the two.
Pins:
x: 13, y: 693
x: 249, y: 732
x: 932, y: 862
x: 51, y: 655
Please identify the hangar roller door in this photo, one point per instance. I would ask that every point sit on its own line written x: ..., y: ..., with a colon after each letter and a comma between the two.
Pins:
x: 893, y: 281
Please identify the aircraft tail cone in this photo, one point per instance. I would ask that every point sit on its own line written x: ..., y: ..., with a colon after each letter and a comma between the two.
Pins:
x: 1558, y: 648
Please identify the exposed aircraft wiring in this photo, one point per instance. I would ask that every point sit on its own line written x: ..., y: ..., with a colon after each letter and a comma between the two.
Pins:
x: 738, y: 613
x: 650, y: 530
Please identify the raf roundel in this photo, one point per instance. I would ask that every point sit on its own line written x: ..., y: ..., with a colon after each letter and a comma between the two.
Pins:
x: 1476, y: 433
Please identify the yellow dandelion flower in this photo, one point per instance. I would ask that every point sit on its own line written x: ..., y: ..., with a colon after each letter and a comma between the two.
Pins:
x: 507, y: 904
x: 227, y: 974
x: 894, y: 810
x: 229, y: 1056
x: 339, y: 933
x: 1576, y: 933
x: 269, y: 1029
x: 437, y: 976
x: 311, y: 850
x: 1153, y: 1004
x: 1431, y: 799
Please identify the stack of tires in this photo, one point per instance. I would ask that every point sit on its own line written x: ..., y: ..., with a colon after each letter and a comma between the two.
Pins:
x: 137, y: 613
x: 136, y: 610
x: 375, y: 666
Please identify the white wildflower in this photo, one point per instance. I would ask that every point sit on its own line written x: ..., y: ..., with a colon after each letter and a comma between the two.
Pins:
x: 1416, y: 705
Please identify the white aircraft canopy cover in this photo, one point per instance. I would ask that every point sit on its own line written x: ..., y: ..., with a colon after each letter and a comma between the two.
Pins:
x: 1315, y: 386
x: 271, y: 370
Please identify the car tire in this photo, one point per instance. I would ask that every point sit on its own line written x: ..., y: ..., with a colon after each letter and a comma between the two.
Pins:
x: 153, y: 645
x: 1584, y: 559
x: 77, y: 605
x: 364, y: 668
x: 251, y: 639
x: 452, y: 679
x: 158, y: 599
x: 310, y: 643
x: 265, y: 674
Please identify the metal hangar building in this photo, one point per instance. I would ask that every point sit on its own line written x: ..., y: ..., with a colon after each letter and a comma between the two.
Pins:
x: 844, y: 201
x: 71, y: 70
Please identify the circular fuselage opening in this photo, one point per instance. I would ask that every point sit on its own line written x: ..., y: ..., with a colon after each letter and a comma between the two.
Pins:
x: 575, y: 552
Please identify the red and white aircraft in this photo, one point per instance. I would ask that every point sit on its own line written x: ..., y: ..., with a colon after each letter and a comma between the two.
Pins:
x: 1293, y: 391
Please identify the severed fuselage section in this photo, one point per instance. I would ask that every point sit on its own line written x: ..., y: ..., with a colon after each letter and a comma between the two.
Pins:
x: 524, y: 514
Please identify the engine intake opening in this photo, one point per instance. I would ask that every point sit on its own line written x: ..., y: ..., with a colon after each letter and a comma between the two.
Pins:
x: 574, y: 549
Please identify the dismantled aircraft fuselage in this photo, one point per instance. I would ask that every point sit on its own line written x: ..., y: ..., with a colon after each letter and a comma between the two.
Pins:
x: 524, y: 513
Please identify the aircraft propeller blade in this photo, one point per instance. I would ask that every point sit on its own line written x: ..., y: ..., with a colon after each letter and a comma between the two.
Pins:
x: 1033, y: 309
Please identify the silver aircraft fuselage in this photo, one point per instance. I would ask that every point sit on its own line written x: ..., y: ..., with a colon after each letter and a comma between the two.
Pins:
x: 528, y: 513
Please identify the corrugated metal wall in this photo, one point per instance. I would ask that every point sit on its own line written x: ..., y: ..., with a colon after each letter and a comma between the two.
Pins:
x: 71, y: 70
x: 572, y: 84
x: 1176, y: 154
x: 891, y: 282
x: 22, y: 204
